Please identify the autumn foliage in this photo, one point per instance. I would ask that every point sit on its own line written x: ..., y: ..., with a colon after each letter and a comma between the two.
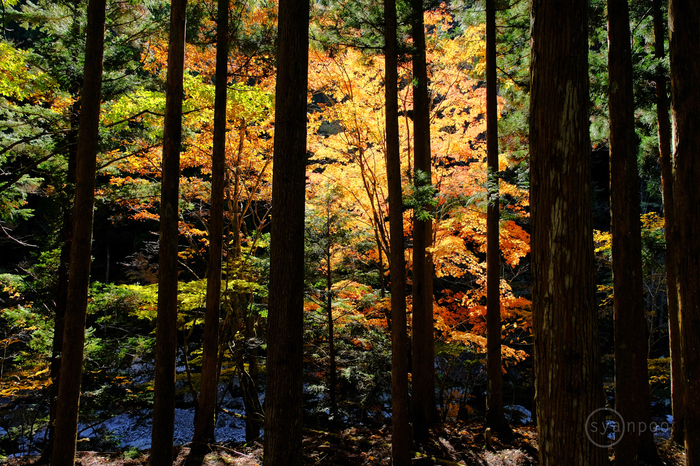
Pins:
x: 348, y: 149
x: 346, y: 162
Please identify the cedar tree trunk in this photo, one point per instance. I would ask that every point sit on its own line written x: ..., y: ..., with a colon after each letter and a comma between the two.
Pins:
x: 684, y: 21
x: 632, y: 399
x: 424, y: 411
x: 495, y: 417
x: 401, y: 432
x: 66, y: 426
x: 283, y: 399
x: 62, y: 279
x: 166, y: 330
x: 664, y: 123
x: 567, y: 357
x: 206, y: 413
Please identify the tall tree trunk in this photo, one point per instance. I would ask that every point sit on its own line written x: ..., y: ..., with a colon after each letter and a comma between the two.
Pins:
x: 401, y: 432
x: 283, y: 399
x: 166, y: 330
x: 684, y: 21
x: 205, y: 420
x: 632, y: 399
x: 424, y: 411
x: 63, y: 266
x: 567, y: 357
x: 664, y: 123
x: 62, y: 279
x: 495, y: 417
x: 66, y: 426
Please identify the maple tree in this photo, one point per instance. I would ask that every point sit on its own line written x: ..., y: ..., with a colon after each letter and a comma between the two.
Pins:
x: 334, y: 240
x: 347, y: 148
x: 461, y: 182
x: 347, y: 145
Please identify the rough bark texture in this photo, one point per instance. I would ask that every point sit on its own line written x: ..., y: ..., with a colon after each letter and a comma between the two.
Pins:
x: 684, y: 21
x: 632, y: 400
x: 424, y: 411
x: 66, y: 426
x: 664, y: 124
x: 206, y: 412
x: 283, y: 399
x: 567, y: 357
x: 166, y: 330
x: 495, y: 417
x: 400, y: 427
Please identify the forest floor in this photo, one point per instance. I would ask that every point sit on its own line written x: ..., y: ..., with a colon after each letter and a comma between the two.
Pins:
x: 458, y: 443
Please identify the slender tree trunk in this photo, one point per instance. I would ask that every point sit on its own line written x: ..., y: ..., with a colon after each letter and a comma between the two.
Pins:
x: 166, y: 330
x: 684, y: 21
x: 401, y: 432
x: 632, y: 399
x: 62, y: 279
x: 247, y: 379
x: 332, y: 370
x: 664, y: 123
x: 567, y: 357
x: 66, y: 427
x: 495, y: 417
x: 251, y: 402
x: 245, y: 320
x: 64, y: 264
x: 283, y: 399
x: 254, y: 409
x: 424, y: 411
x: 380, y: 267
x: 205, y: 419
x: 333, y: 367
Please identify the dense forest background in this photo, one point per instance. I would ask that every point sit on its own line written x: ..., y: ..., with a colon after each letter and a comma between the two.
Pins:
x: 348, y: 275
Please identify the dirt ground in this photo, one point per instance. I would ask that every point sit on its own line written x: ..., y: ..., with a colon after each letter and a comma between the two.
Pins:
x: 453, y: 444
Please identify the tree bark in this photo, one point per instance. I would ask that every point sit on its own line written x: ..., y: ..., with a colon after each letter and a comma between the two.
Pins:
x: 632, y: 399
x: 62, y: 280
x: 567, y: 357
x: 401, y: 432
x: 283, y: 399
x: 495, y: 417
x: 664, y: 124
x: 424, y: 410
x: 684, y: 22
x: 205, y: 419
x: 66, y: 426
x: 166, y: 330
